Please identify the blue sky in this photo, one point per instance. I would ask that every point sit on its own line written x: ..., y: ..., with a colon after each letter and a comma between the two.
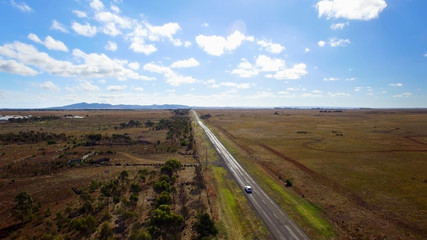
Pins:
x: 338, y: 53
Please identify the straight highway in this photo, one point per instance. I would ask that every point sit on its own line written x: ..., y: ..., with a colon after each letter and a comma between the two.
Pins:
x: 278, y: 222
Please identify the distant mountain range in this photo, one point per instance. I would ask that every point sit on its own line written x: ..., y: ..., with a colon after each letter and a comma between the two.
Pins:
x: 83, y: 105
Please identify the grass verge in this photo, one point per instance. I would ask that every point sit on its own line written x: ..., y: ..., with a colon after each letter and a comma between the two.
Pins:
x: 307, y: 215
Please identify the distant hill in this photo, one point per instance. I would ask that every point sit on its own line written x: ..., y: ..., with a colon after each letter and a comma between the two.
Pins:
x: 83, y: 105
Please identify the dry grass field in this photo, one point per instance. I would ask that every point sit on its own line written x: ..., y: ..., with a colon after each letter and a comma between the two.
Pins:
x: 66, y: 165
x: 364, y: 170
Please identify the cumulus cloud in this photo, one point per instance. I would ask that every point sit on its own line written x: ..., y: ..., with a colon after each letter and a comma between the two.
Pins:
x: 274, y: 67
x: 271, y: 47
x: 133, y: 65
x: 97, y: 5
x: 80, y: 14
x: 49, y: 42
x: 396, y: 84
x: 351, y: 9
x: 191, y: 62
x: 111, y: 46
x: 92, y: 65
x: 218, y: 45
x: 171, y: 77
x: 330, y: 79
x: 334, y: 42
x: 86, y: 29
x: 11, y: 66
x: 88, y: 86
x: 146, y: 32
x: 23, y: 7
x: 350, y: 79
x: 49, y: 86
x: 321, y: 43
x: 112, y: 23
x: 339, y: 26
x: 58, y: 26
x: 307, y: 50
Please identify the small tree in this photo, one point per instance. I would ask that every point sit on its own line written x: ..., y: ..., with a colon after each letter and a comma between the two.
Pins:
x: 106, y: 232
x: 23, y: 209
x: 205, y: 227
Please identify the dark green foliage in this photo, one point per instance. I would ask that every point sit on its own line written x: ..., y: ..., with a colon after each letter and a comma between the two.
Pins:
x: 170, y: 166
x: 110, y: 188
x: 288, y: 183
x: 140, y: 235
x: 205, y: 227
x: 149, y: 123
x: 166, y: 223
x: 106, y: 232
x: 206, y: 116
x: 84, y: 225
x: 163, y: 198
x: 93, y: 186
x: 130, y: 124
x: 161, y: 186
x: 24, y: 207
x: 133, y: 199
x: 31, y: 137
x: 134, y: 187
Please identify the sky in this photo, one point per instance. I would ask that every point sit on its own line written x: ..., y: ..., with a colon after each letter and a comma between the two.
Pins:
x: 234, y: 53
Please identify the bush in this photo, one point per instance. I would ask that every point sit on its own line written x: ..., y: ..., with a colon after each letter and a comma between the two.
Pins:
x: 24, y: 206
x: 205, y: 227
x: 161, y: 186
x: 84, y: 225
x: 134, y: 187
x: 163, y: 198
x: 106, y: 232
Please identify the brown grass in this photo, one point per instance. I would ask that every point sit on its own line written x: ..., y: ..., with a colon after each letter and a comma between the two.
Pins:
x: 365, y: 169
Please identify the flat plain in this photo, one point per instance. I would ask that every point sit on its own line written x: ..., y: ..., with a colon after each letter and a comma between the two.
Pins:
x: 364, y: 170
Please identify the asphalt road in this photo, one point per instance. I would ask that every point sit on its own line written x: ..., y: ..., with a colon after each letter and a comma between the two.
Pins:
x: 278, y: 222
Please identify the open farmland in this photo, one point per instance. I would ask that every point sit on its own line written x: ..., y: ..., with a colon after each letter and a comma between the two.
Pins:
x: 101, y: 174
x: 365, y: 170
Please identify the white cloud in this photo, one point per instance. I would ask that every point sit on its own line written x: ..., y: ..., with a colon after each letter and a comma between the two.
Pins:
x: 85, y: 30
x: 351, y: 9
x: 139, y: 89
x: 350, y: 79
x: 321, y: 43
x: 267, y: 64
x: 334, y: 42
x: 425, y: 54
x: 314, y: 94
x: 134, y: 65
x: 116, y: 88
x: 97, y: 5
x: 275, y: 66
x: 218, y: 45
x: 58, y: 26
x: 229, y: 84
x: 115, y: 9
x: 171, y: 77
x: 396, y: 84
x: 402, y: 95
x: 340, y: 26
x: 245, y: 69
x: 205, y: 25
x: 49, y: 86
x: 112, y: 22
x: 147, y: 32
x: 296, y: 72
x: 330, y: 79
x: 111, y: 46
x: 307, y: 50
x: 191, y: 62
x: 271, y: 47
x: 23, y: 7
x: 88, y: 86
x: 93, y: 65
x: 11, y: 66
x: 338, y: 94
x: 49, y: 42
x: 80, y: 14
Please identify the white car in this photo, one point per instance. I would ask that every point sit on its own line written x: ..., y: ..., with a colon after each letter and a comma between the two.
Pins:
x: 248, y: 189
